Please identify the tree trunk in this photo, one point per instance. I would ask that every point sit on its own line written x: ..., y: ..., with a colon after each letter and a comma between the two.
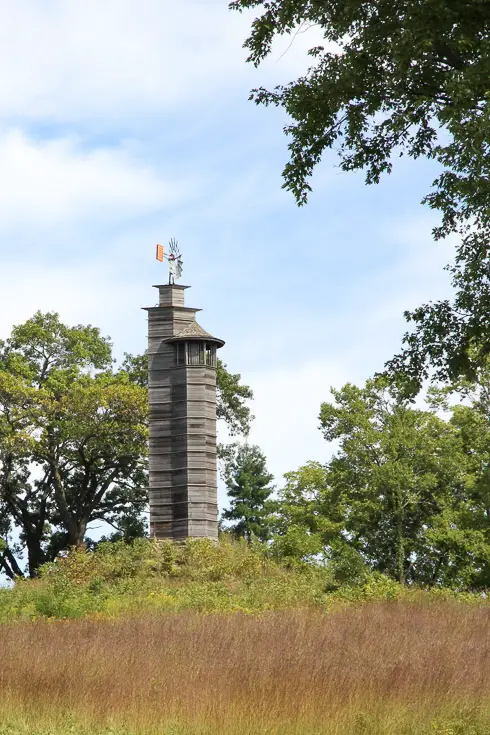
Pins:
x: 81, y: 530
x: 35, y: 555
x: 74, y: 529
x: 400, y: 543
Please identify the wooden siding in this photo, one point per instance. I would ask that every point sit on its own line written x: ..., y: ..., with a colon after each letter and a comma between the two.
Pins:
x: 171, y: 296
x: 182, y: 410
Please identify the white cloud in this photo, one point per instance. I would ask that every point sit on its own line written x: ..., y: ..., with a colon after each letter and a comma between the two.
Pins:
x: 68, y: 61
x: 46, y: 182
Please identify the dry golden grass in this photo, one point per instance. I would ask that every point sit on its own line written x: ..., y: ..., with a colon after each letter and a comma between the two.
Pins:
x: 355, y: 670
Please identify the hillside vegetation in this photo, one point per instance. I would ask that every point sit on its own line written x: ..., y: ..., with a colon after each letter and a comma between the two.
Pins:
x: 204, y: 638
x: 148, y: 577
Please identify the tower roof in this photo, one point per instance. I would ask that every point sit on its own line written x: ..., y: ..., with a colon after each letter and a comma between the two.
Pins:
x: 194, y: 331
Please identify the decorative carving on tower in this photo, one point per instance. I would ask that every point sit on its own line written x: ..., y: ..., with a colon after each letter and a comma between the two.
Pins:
x: 182, y: 420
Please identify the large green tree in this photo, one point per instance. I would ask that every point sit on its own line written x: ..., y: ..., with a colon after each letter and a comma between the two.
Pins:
x: 392, y: 78
x: 467, y: 541
x: 73, y: 438
x: 401, y: 475
x: 309, y: 518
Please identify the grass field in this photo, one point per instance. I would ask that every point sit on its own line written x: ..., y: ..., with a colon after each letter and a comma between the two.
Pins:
x: 392, y: 667
x: 200, y: 638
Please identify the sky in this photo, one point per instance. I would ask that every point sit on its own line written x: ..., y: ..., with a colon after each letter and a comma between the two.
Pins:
x: 125, y: 123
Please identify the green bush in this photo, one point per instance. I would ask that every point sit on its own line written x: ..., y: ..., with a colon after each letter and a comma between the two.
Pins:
x: 375, y: 586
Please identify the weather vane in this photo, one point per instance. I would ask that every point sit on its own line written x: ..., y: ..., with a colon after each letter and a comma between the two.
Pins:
x: 174, y: 259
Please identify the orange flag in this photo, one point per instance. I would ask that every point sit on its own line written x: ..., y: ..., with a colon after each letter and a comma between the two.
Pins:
x: 160, y: 253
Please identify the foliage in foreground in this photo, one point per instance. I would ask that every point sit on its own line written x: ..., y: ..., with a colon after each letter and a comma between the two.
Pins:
x: 146, y: 576
x: 119, y: 578
x: 387, y: 79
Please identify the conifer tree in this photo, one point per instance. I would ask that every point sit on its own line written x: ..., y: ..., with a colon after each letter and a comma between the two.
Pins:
x: 249, y: 488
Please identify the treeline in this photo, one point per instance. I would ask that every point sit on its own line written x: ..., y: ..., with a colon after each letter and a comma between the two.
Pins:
x: 405, y: 494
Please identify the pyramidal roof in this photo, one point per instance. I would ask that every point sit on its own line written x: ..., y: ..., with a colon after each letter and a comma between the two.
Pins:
x: 194, y: 331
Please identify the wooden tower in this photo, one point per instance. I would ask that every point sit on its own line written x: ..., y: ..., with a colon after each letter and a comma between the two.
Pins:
x: 182, y: 396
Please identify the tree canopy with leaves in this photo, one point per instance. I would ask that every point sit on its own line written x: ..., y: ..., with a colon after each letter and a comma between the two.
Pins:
x: 393, y: 78
x: 398, y: 474
x: 73, y: 436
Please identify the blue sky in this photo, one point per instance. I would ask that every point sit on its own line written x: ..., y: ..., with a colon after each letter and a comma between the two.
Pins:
x: 125, y: 123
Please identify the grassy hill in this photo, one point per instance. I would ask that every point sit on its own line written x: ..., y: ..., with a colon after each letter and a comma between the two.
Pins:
x: 202, y: 638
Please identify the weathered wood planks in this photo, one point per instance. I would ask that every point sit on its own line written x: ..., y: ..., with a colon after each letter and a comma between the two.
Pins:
x: 182, y: 418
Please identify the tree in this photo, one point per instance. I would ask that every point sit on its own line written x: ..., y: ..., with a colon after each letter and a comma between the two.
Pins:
x: 249, y: 487
x: 73, y: 436
x: 407, y: 78
x: 466, y: 543
x: 308, y: 519
x: 398, y: 471
x: 406, y: 493
x: 231, y: 397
